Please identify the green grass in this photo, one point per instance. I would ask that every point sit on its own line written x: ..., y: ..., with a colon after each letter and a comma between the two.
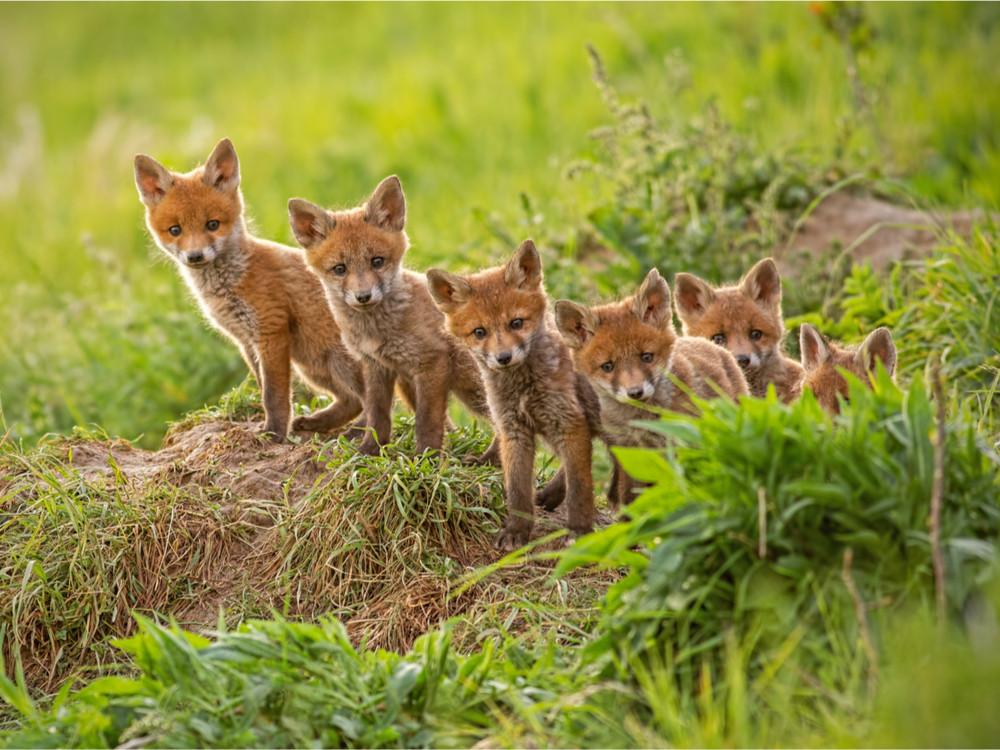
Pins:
x: 471, y: 104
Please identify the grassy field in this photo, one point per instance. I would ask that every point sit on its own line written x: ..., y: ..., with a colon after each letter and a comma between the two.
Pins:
x: 788, y: 579
x: 472, y: 105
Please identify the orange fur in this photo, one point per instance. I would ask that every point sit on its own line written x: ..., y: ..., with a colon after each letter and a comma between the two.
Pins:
x: 501, y: 316
x: 258, y: 293
x: 630, y: 353
x: 746, y: 319
x: 387, y: 316
x: 821, y: 360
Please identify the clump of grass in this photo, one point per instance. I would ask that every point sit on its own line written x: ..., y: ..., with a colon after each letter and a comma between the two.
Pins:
x: 764, y: 517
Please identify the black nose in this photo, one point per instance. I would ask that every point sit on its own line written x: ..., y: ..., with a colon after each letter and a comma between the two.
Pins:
x: 363, y: 297
x: 743, y: 360
x: 504, y: 358
x: 635, y: 392
x: 196, y: 257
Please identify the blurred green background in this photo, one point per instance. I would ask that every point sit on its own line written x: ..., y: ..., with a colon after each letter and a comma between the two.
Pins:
x: 472, y: 105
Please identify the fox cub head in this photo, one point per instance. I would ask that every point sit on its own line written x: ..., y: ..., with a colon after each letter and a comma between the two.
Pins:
x: 497, y: 313
x: 194, y: 217
x: 623, y: 348
x: 820, y: 360
x: 357, y: 253
x: 745, y: 318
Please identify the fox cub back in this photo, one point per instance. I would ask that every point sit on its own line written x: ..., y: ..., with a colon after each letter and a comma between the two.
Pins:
x: 630, y: 353
x: 501, y: 316
x: 746, y: 319
x: 386, y: 314
x: 258, y: 293
x: 821, y: 360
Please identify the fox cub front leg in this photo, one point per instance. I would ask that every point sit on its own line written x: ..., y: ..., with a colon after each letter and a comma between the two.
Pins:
x: 380, y: 385
x: 517, y: 450
x: 276, y: 372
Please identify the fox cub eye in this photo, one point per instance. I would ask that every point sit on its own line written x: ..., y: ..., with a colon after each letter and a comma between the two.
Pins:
x: 479, y: 333
x: 720, y: 339
x: 339, y: 270
x: 608, y: 366
x: 175, y: 230
x: 755, y: 335
x: 516, y: 324
x: 378, y: 262
x: 646, y: 357
x: 212, y: 225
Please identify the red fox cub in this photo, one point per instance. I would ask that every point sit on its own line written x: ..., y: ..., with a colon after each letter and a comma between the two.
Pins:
x: 744, y: 318
x: 821, y: 358
x: 629, y: 352
x: 501, y: 316
x: 386, y: 315
x: 259, y: 293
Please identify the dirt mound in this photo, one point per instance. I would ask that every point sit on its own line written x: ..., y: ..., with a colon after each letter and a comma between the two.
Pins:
x: 221, y: 521
x: 884, y: 232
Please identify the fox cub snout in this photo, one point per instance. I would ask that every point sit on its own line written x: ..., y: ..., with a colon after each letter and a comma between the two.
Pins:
x: 821, y: 360
x: 258, y: 293
x: 501, y: 316
x: 746, y: 319
x: 387, y: 316
x: 630, y: 352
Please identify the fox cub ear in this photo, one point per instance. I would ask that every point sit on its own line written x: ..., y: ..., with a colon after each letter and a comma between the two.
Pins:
x: 576, y: 323
x: 814, y: 350
x: 310, y: 223
x: 152, y: 179
x: 222, y: 170
x: 524, y: 270
x: 386, y: 209
x: 448, y: 291
x: 762, y: 284
x: 651, y: 304
x: 878, y: 346
x: 692, y: 297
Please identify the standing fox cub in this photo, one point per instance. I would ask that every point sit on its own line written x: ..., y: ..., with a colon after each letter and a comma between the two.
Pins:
x: 501, y: 316
x: 386, y: 315
x: 259, y: 293
x: 746, y: 319
x: 629, y: 351
x: 820, y: 358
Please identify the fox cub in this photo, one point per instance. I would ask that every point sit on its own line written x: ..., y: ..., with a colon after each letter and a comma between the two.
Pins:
x: 821, y: 358
x: 387, y: 316
x: 259, y: 293
x: 629, y: 352
x: 746, y: 319
x: 501, y: 315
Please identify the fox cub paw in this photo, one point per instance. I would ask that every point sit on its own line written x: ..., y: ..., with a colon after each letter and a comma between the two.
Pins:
x: 514, y: 534
x: 369, y: 446
x: 551, y: 496
x: 271, y: 432
x: 490, y: 457
x: 309, y: 423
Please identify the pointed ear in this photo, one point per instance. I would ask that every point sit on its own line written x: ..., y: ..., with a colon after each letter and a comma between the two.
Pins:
x: 651, y: 304
x: 386, y: 209
x: 763, y: 284
x: 152, y: 179
x: 524, y: 270
x: 222, y: 170
x: 692, y: 297
x: 813, y: 348
x: 878, y: 346
x: 448, y: 291
x: 310, y: 223
x: 576, y: 323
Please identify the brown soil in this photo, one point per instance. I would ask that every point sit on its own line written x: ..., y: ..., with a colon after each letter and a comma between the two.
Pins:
x: 896, y: 233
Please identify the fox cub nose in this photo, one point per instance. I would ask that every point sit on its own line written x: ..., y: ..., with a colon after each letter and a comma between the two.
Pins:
x: 635, y: 391
x: 196, y: 256
x: 503, y: 358
x: 743, y: 360
x: 363, y: 297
